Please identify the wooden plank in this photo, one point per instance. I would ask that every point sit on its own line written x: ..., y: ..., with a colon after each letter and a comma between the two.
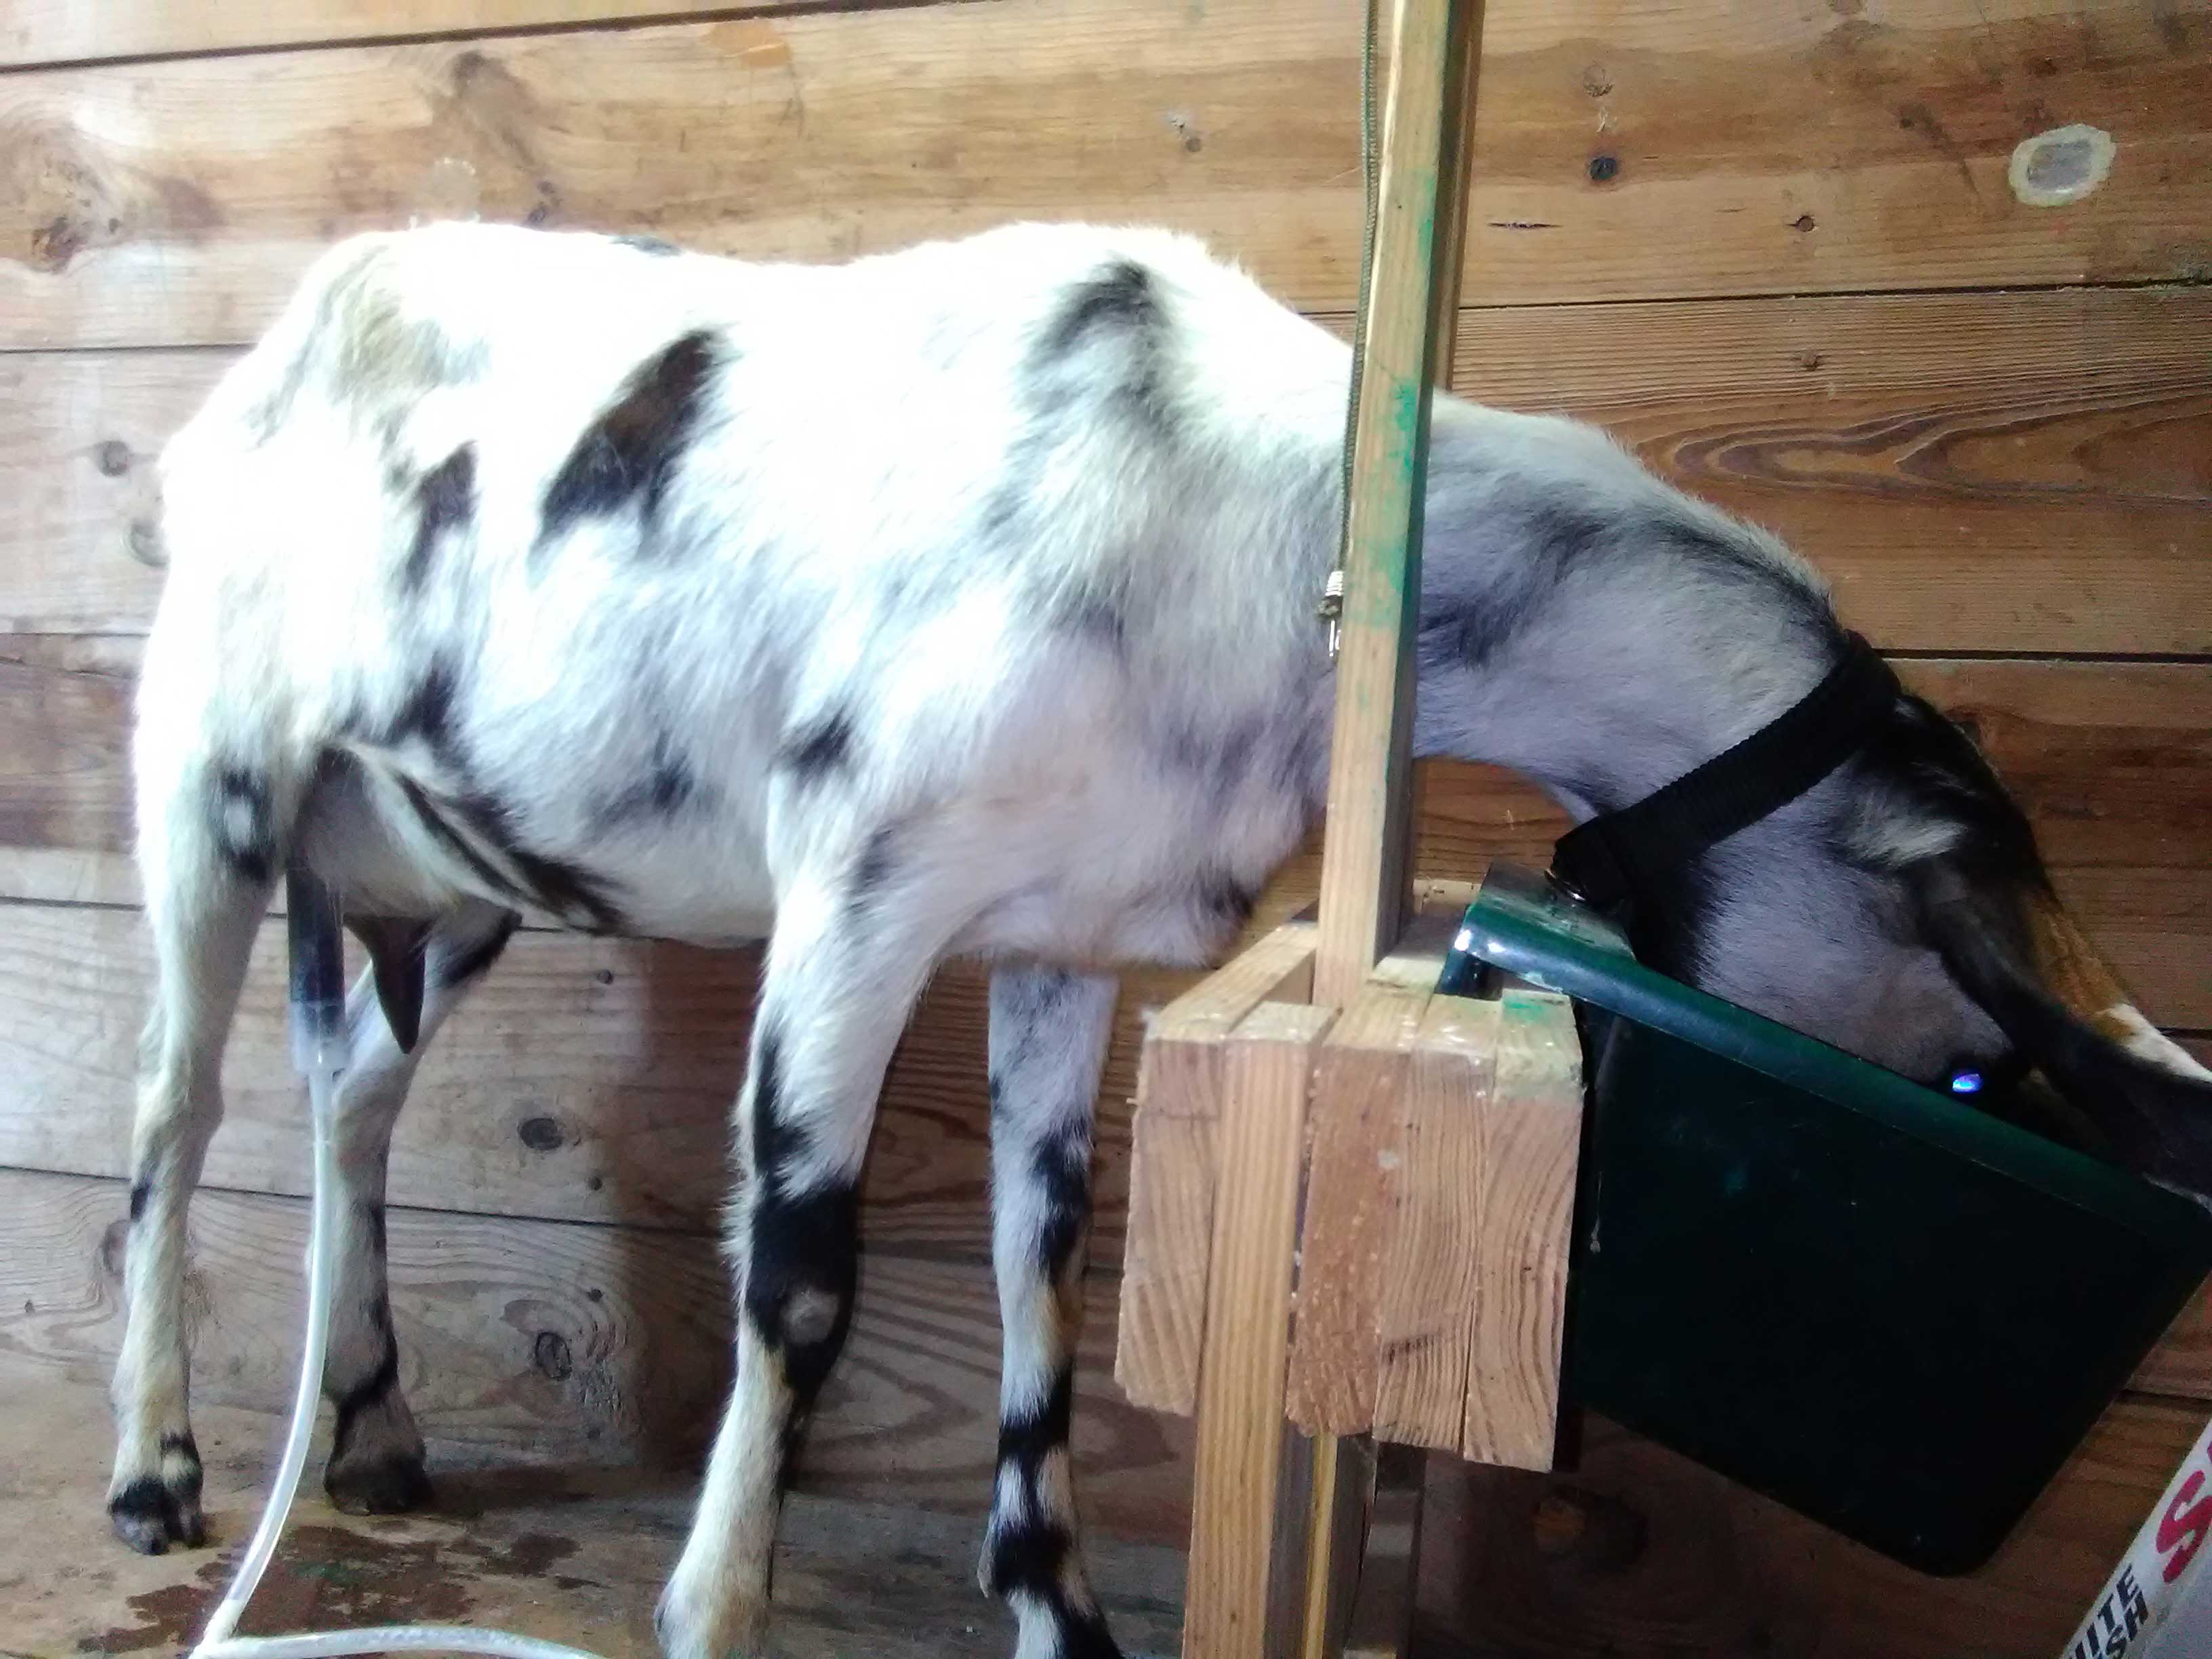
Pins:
x: 1707, y: 1567
x: 569, y: 1555
x: 59, y: 30
x: 1531, y: 1144
x: 583, y: 1344
x: 1173, y: 1166
x: 586, y: 1079
x: 79, y: 531
x: 1432, y: 1273
x: 1268, y: 1069
x: 1974, y: 472
x: 1360, y: 1081
x: 1619, y: 152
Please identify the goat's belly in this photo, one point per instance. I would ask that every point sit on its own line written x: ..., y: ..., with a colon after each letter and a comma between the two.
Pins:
x: 398, y: 842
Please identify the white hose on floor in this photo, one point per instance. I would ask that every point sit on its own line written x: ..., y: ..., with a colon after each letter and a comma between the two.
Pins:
x: 319, y: 1050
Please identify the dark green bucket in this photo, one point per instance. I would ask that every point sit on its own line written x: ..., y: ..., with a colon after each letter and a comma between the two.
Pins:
x: 1892, y: 1312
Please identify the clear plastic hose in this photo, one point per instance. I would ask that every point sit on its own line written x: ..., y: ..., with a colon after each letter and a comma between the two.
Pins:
x: 319, y: 1050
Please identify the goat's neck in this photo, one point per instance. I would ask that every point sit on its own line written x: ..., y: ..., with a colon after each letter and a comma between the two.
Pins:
x: 1588, y: 626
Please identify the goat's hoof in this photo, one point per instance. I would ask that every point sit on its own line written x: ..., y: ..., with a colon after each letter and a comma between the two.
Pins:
x: 149, y: 1514
x: 738, y: 1631
x: 388, y: 1483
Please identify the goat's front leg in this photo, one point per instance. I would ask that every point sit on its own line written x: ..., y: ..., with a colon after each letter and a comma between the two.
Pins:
x: 845, y: 966
x: 1049, y: 1036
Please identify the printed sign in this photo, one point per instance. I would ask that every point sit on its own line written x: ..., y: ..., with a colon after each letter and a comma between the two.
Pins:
x: 2148, y: 1587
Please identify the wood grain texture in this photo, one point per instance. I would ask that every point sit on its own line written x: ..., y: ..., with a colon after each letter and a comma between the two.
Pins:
x: 1973, y: 471
x: 572, y: 1555
x: 1531, y: 1145
x: 1366, y: 853
x: 1267, y: 1071
x: 1619, y: 152
x: 1710, y: 1569
x: 1173, y: 1165
x: 587, y: 1080
x: 1357, y: 1151
x: 587, y: 1344
x: 1432, y: 1271
x: 61, y: 32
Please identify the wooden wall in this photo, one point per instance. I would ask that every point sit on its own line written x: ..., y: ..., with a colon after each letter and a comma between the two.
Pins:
x: 1771, y: 243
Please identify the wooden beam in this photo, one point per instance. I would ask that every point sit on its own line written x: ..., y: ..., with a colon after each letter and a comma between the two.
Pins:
x: 1233, y: 1595
x: 1621, y: 155
x: 1174, y: 1168
x: 1531, y: 1146
x: 1421, y: 195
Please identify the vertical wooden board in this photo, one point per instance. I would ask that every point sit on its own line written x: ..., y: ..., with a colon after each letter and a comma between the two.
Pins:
x: 1352, y: 1182
x: 1162, y: 1309
x: 1267, y: 1071
x: 1433, y: 1268
x: 1531, y: 1147
x: 1172, y: 1169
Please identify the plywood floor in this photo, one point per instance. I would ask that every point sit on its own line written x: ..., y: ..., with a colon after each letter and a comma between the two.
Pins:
x: 577, y: 1556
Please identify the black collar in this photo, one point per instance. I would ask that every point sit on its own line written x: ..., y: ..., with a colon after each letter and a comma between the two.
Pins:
x: 1619, y: 856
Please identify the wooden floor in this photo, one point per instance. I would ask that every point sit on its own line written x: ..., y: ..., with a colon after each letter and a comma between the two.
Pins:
x: 576, y: 1556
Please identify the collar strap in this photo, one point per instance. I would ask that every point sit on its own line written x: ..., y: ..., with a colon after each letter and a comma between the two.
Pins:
x: 1619, y: 855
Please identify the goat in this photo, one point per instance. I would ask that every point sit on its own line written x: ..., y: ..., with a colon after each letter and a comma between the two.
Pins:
x: 954, y: 600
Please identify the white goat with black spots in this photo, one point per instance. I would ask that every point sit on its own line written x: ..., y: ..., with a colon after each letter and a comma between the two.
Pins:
x: 958, y: 600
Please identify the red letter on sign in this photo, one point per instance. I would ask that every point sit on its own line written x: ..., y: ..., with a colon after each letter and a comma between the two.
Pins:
x: 2183, y: 1527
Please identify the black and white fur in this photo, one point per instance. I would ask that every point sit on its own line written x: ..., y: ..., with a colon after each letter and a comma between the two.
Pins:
x: 959, y: 600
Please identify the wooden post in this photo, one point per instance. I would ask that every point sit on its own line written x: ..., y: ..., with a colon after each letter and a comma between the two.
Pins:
x: 1365, y: 873
x: 1234, y: 1608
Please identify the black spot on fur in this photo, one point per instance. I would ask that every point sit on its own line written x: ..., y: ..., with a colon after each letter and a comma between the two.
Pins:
x: 371, y: 1219
x: 445, y: 500
x: 477, y: 957
x: 1063, y: 1168
x: 627, y: 457
x: 141, y: 1190
x: 873, y: 873
x: 1122, y: 305
x: 183, y: 1446
x: 458, y: 845
x: 658, y: 245
x: 1466, y: 629
x: 1120, y: 298
x: 1026, y: 1438
x: 1225, y: 901
x: 818, y: 748
x: 1098, y: 621
x: 243, y: 823
x: 565, y: 889
x: 427, y: 711
x: 363, y: 1395
x: 797, y: 1243
x: 669, y: 784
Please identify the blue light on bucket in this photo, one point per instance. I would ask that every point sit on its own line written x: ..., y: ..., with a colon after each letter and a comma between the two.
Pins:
x: 1965, y: 1082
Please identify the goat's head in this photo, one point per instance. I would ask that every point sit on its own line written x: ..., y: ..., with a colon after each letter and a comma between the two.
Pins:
x: 1902, y: 912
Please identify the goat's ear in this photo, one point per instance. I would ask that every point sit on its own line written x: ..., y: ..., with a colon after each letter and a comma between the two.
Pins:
x: 2020, y: 956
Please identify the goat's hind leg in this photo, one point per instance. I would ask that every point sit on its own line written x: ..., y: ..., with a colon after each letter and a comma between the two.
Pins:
x: 376, y: 1462
x: 210, y: 839
x: 1048, y: 1035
